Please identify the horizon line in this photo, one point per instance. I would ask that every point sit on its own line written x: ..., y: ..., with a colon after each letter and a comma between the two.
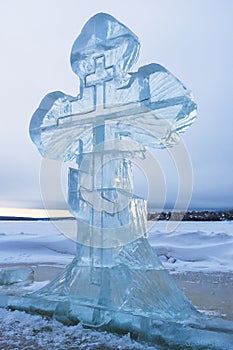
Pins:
x: 64, y: 213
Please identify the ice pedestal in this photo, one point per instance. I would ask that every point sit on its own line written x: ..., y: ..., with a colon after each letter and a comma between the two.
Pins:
x: 132, y: 294
x: 135, y: 282
x: 108, y: 281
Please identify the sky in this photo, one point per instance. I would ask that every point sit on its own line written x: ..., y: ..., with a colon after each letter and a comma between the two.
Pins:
x: 192, y: 39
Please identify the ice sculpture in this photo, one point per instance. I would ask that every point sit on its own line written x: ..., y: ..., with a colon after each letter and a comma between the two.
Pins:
x: 116, y: 282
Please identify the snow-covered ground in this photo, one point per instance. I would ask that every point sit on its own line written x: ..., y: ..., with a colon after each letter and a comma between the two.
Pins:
x: 194, y: 247
x: 21, y: 331
x: 34, y: 242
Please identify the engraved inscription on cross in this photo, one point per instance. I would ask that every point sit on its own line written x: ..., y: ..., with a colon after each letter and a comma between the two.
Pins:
x: 98, y: 80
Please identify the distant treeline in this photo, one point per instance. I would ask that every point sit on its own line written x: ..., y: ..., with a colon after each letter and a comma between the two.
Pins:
x: 200, y: 215
x: 205, y: 215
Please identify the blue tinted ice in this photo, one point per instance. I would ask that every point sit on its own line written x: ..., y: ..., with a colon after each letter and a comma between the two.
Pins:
x: 116, y: 114
x: 104, y: 36
x: 114, y: 117
x: 149, y: 106
x: 11, y: 275
x: 116, y: 282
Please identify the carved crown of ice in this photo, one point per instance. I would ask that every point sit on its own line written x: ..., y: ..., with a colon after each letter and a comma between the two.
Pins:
x: 105, y: 47
x: 150, y: 106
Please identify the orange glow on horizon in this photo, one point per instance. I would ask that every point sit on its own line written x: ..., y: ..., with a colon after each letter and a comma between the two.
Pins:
x: 34, y: 213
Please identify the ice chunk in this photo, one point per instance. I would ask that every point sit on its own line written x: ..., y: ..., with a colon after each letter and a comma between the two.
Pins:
x: 10, y: 275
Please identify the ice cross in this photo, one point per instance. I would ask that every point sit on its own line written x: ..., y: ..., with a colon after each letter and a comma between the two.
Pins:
x: 102, y: 57
x: 110, y: 108
x: 115, y: 277
x: 98, y: 79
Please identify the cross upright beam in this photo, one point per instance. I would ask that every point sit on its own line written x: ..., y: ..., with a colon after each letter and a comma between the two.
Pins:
x: 98, y: 80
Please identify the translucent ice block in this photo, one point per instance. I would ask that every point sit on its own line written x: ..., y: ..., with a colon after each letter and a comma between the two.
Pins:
x: 10, y: 275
